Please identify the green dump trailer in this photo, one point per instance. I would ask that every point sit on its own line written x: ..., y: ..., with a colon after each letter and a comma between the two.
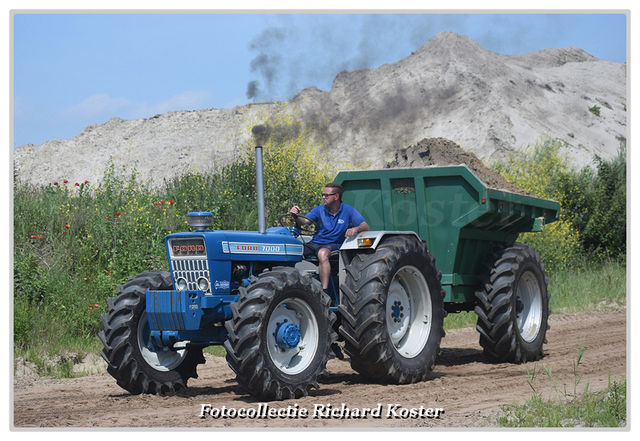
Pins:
x: 453, y: 211
x: 469, y: 231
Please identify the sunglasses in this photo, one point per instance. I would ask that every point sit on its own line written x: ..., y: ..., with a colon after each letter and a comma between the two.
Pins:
x: 326, y: 195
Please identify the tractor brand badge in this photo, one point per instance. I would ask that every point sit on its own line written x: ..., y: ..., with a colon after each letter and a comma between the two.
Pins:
x: 243, y: 247
x: 183, y: 247
x: 222, y: 284
x: 188, y: 248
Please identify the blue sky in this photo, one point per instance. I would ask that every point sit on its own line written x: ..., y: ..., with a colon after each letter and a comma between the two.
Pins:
x: 75, y: 69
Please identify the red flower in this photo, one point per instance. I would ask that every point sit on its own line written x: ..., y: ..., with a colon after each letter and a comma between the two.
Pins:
x: 118, y: 213
x: 90, y: 307
x: 106, y: 217
x: 95, y: 306
x: 67, y: 226
x: 86, y: 182
x: 76, y: 184
x: 55, y: 183
x: 161, y: 202
x: 66, y: 182
x: 37, y: 237
x: 155, y: 203
x: 171, y: 202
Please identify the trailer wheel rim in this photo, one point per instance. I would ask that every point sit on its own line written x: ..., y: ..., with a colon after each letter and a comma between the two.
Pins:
x: 409, y: 311
x: 162, y: 361
x: 529, y: 306
x: 296, y: 353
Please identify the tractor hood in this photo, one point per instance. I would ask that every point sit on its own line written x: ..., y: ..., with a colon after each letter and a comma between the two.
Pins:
x: 277, y: 244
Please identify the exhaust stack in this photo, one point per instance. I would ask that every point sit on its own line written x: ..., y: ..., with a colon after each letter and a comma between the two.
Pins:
x: 261, y: 136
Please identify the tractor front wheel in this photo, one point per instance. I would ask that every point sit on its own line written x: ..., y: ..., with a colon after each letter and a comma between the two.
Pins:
x: 280, y: 335
x: 125, y: 338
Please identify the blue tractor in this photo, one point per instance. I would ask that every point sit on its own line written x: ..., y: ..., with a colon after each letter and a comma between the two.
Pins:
x: 234, y: 288
x: 231, y: 288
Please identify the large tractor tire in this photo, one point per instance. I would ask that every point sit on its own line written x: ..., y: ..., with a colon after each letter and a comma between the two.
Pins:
x: 280, y: 335
x: 137, y: 368
x: 513, y: 304
x: 392, y: 312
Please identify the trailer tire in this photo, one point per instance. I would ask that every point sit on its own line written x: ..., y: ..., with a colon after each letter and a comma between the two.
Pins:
x: 385, y: 346
x: 136, y: 368
x: 513, y: 304
x: 267, y: 365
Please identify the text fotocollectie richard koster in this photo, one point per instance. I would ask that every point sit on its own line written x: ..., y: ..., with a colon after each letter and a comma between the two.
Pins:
x: 321, y: 411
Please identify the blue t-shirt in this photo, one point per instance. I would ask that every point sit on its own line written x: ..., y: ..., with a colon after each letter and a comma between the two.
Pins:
x: 334, y: 226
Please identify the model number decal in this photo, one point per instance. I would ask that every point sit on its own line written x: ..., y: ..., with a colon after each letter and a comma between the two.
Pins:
x: 256, y: 248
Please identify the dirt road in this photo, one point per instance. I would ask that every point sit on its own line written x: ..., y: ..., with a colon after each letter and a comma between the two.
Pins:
x: 462, y: 390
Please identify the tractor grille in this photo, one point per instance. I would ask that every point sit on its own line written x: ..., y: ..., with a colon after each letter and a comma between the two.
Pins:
x: 191, y: 270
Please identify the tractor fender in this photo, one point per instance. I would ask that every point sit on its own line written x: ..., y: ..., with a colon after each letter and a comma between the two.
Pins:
x: 371, y: 239
x: 366, y: 242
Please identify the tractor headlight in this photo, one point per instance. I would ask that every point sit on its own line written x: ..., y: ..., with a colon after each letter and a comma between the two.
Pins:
x: 200, y: 220
x: 181, y: 284
x: 203, y: 284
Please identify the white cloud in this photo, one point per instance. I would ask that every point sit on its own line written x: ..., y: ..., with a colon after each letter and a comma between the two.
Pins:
x: 188, y: 100
x: 102, y: 107
x: 95, y: 105
x: 233, y: 103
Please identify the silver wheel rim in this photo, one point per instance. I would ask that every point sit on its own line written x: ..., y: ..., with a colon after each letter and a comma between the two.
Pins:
x: 409, y: 312
x: 529, y: 297
x: 162, y: 361
x: 294, y: 360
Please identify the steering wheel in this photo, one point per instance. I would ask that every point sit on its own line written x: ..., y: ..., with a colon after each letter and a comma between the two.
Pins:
x: 303, y: 224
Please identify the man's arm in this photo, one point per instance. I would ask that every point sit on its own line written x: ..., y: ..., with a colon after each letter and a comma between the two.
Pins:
x: 310, y: 216
x: 355, y: 230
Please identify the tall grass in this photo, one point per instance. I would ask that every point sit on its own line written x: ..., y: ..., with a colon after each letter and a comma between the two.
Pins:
x: 603, y: 408
x: 574, y: 405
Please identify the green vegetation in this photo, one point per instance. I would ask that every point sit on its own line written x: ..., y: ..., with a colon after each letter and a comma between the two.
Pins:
x: 593, y: 220
x: 572, y: 406
x: 595, y: 110
x: 605, y: 408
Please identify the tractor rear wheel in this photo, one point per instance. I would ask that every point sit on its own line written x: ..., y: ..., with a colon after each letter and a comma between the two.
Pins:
x: 513, y: 305
x: 392, y: 312
x: 280, y: 335
x: 137, y: 368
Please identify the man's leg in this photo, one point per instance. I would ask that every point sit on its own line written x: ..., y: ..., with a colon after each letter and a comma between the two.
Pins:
x: 324, y: 270
x: 324, y: 267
